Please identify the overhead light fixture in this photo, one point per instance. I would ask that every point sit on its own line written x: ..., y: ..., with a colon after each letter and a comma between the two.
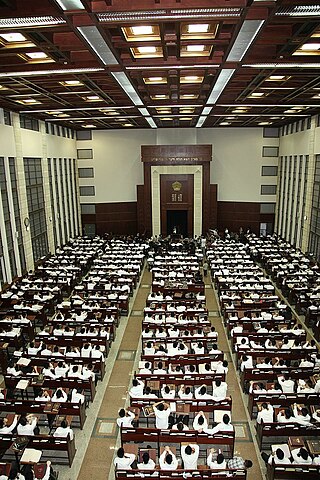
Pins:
x: 173, y: 14
x: 225, y: 123
x: 191, y: 79
x: 13, y: 37
x: 248, y: 32
x: 93, y: 98
x: 39, y: 21
x: 71, y: 83
x: 221, y: 82
x: 29, y: 101
x: 155, y: 80
x: 2, y: 87
x: 141, y: 33
x: 198, y: 28
x: 107, y: 111
x: 127, y: 125
x: 89, y: 125
x: 166, y: 118
x: 146, y: 52
x: 36, y: 55
x: 96, y: 41
x: 149, y: 49
x: 195, y: 48
x: 34, y: 73
x: 188, y: 96
x: 185, y: 118
x: 70, y: 4
x: 276, y: 78
x: 256, y: 95
x: 186, y: 110
x: 170, y: 67
x: 142, y: 30
x: 299, y: 11
x: 265, y: 123
x: 283, y: 65
x: 127, y: 87
x: 201, y: 121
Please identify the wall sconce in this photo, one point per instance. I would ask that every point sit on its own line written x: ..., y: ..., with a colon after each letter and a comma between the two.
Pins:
x: 26, y: 222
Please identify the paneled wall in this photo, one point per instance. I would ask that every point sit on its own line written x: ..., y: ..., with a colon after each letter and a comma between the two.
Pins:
x: 39, y: 201
x: 239, y: 156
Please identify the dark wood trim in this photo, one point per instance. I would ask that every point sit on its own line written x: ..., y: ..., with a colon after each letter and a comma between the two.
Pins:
x: 176, y: 154
x: 233, y: 215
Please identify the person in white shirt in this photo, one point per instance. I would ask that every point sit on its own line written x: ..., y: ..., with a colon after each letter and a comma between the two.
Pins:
x: 96, y: 353
x: 61, y: 370
x: 27, y: 425
x: 146, y: 368
x: 302, y: 416
x: 301, y: 456
x: 185, y: 392
x: 168, y: 460
x: 200, y: 422
x: 147, y: 462
x: 285, y: 416
x: 219, y: 390
x: 4, y: 429
x: 224, y: 426
x: 123, y: 461
x: 43, y: 396
x: 86, y: 350
x: 136, y: 391
x: 166, y: 392
x: 162, y: 412
x: 77, y: 396
x: 265, y: 414
x: 278, y: 457
x: 287, y: 384
x: 64, y: 430
x: 33, y: 350
x: 190, y: 455
x: 125, y: 418
x: 218, y: 464
x: 59, y: 396
x: 201, y: 393
x: 246, y: 362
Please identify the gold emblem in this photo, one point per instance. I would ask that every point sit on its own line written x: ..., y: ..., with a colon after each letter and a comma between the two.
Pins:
x: 176, y: 186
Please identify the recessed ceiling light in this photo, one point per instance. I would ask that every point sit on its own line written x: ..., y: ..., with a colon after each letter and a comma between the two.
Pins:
x: 291, y: 110
x: 92, y: 98
x: 160, y: 96
x: 316, y: 96
x: 310, y: 46
x: 198, y: 28
x: 150, y: 80
x: 36, y: 55
x: 28, y: 101
x: 195, y: 48
x: 13, y: 37
x: 142, y: 30
x: 275, y: 118
x: 71, y: 83
x: 264, y: 123
x: 256, y: 94
x: 225, y: 123
x: 166, y: 118
x: 185, y: 118
x: 147, y: 49
x: 189, y: 95
x: 2, y: 87
x: 89, y: 126
x: 275, y: 77
x: 127, y: 125
x: 230, y: 118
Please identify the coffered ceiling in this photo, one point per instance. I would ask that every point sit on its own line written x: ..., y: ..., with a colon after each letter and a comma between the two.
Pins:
x: 160, y: 63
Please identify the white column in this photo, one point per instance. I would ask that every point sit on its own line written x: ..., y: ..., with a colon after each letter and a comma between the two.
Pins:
x: 13, y: 219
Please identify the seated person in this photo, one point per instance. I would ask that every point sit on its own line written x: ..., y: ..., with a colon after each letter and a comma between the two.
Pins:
x: 125, y: 418
x: 64, y: 430
x: 218, y: 464
x: 301, y: 456
x: 168, y: 460
x: 123, y: 461
x: 200, y: 422
x: 27, y: 425
x: 265, y: 413
x: 147, y: 462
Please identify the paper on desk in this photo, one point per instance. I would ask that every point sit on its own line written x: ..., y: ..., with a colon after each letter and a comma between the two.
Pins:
x: 31, y: 455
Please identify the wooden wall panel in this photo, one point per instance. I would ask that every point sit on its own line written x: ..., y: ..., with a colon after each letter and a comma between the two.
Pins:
x: 233, y: 215
x: 119, y: 218
x: 141, y: 223
x: 213, y: 206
